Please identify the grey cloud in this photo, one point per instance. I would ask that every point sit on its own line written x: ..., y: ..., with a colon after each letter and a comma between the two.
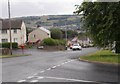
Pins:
x: 38, y: 8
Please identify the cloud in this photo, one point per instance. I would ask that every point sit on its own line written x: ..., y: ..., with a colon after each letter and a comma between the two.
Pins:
x: 39, y: 7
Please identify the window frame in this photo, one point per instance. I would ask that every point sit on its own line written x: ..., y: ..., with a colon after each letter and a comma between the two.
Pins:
x: 4, y: 31
x: 15, y: 31
x: 5, y: 40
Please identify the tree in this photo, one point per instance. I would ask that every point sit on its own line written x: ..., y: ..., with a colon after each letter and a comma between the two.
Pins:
x: 102, y: 20
x: 72, y: 33
x: 28, y: 30
x: 56, y: 33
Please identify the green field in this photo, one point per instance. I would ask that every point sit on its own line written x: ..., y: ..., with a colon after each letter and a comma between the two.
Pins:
x: 104, y: 56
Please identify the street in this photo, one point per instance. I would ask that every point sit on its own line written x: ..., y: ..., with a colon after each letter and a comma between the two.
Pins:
x: 56, y: 66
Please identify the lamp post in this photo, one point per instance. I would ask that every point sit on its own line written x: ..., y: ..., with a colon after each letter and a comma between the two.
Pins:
x: 10, y: 27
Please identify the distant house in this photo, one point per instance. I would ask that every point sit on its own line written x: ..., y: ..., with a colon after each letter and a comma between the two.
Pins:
x: 38, y: 35
x: 18, y: 31
x: 85, y: 41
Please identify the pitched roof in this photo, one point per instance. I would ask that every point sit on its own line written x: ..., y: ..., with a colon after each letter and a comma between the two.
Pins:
x: 0, y: 23
x: 15, y: 24
x: 44, y: 29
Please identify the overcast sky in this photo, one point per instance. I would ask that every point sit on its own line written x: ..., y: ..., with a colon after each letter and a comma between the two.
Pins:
x: 21, y: 8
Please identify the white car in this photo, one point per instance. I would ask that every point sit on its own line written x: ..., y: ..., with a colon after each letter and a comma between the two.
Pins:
x: 76, y: 47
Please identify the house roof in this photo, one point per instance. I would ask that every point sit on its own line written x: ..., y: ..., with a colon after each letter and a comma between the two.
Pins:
x: 15, y: 24
x: 75, y: 39
x: 0, y: 23
x: 45, y: 30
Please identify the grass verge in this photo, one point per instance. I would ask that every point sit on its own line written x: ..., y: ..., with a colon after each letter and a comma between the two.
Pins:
x: 15, y: 55
x: 103, y: 56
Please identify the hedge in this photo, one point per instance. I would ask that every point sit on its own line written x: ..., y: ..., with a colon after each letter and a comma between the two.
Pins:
x: 52, y: 42
x: 7, y: 45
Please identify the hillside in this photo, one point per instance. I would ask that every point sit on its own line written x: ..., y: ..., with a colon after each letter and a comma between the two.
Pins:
x: 71, y: 21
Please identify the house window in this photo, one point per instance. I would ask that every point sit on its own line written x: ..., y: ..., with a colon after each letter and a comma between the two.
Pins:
x: 4, y: 40
x: 4, y: 31
x: 15, y: 39
x: 15, y: 31
x: 34, y: 36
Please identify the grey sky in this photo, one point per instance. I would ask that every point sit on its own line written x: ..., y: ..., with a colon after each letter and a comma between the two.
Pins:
x: 38, y: 7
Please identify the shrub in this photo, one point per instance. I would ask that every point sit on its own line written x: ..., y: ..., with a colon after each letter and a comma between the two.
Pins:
x: 7, y: 45
x: 56, y: 33
x: 49, y: 41
x: 53, y: 42
x: 60, y: 42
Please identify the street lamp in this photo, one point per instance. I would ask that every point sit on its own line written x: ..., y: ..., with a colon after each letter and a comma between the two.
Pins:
x: 10, y: 27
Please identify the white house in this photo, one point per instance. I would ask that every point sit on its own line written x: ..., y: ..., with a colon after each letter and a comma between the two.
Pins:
x: 18, y: 31
x: 38, y: 35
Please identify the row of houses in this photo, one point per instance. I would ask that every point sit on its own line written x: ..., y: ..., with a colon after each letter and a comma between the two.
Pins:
x: 18, y: 32
x: 19, y: 35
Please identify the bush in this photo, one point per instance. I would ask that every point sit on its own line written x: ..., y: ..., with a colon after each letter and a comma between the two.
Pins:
x: 49, y: 41
x: 56, y: 33
x: 7, y: 45
x: 53, y: 42
x: 60, y: 42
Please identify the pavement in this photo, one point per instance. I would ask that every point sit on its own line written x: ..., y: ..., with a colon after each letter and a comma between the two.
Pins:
x: 57, y: 66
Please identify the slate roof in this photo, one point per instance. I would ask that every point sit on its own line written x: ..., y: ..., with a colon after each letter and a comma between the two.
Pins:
x: 15, y: 24
x: 44, y: 29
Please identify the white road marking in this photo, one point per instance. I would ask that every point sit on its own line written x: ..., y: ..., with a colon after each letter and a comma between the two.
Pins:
x: 58, y: 65
x: 34, y: 81
x: 69, y: 61
x: 21, y: 80
x: 77, y: 80
x: 30, y: 77
x: 35, y: 74
x: 54, y: 66
x: 42, y: 71
x: 48, y: 69
x: 72, y: 60
x: 52, y: 77
x: 66, y: 62
x: 39, y: 77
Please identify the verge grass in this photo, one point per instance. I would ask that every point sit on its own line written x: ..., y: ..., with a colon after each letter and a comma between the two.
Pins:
x: 15, y: 55
x: 104, y: 56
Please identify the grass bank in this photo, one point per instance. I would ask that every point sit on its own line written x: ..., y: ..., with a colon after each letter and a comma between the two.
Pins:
x: 104, y: 56
x: 15, y: 55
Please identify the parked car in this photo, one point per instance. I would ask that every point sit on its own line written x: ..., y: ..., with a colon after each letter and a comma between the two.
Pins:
x: 76, y: 47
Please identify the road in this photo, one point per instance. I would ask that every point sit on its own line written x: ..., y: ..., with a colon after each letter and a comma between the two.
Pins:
x: 56, y: 66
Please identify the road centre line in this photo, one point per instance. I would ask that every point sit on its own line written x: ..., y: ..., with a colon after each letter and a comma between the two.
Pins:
x: 40, y: 77
x: 21, y: 81
x: 66, y: 62
x: 48, y: 77
x: 30, y: 77
x: 58, y: 65
x: 54, y: 66
x: 48, y: 69
x: 34, y: 81
x: 35, y: 74
x: 42, y: 71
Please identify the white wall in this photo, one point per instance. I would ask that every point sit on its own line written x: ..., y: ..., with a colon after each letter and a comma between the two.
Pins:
x: 20, y: 35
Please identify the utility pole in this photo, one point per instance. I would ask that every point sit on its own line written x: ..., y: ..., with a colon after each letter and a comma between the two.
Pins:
x: 66, y: 34
x: 10, y: 27
x: 66, y: 31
